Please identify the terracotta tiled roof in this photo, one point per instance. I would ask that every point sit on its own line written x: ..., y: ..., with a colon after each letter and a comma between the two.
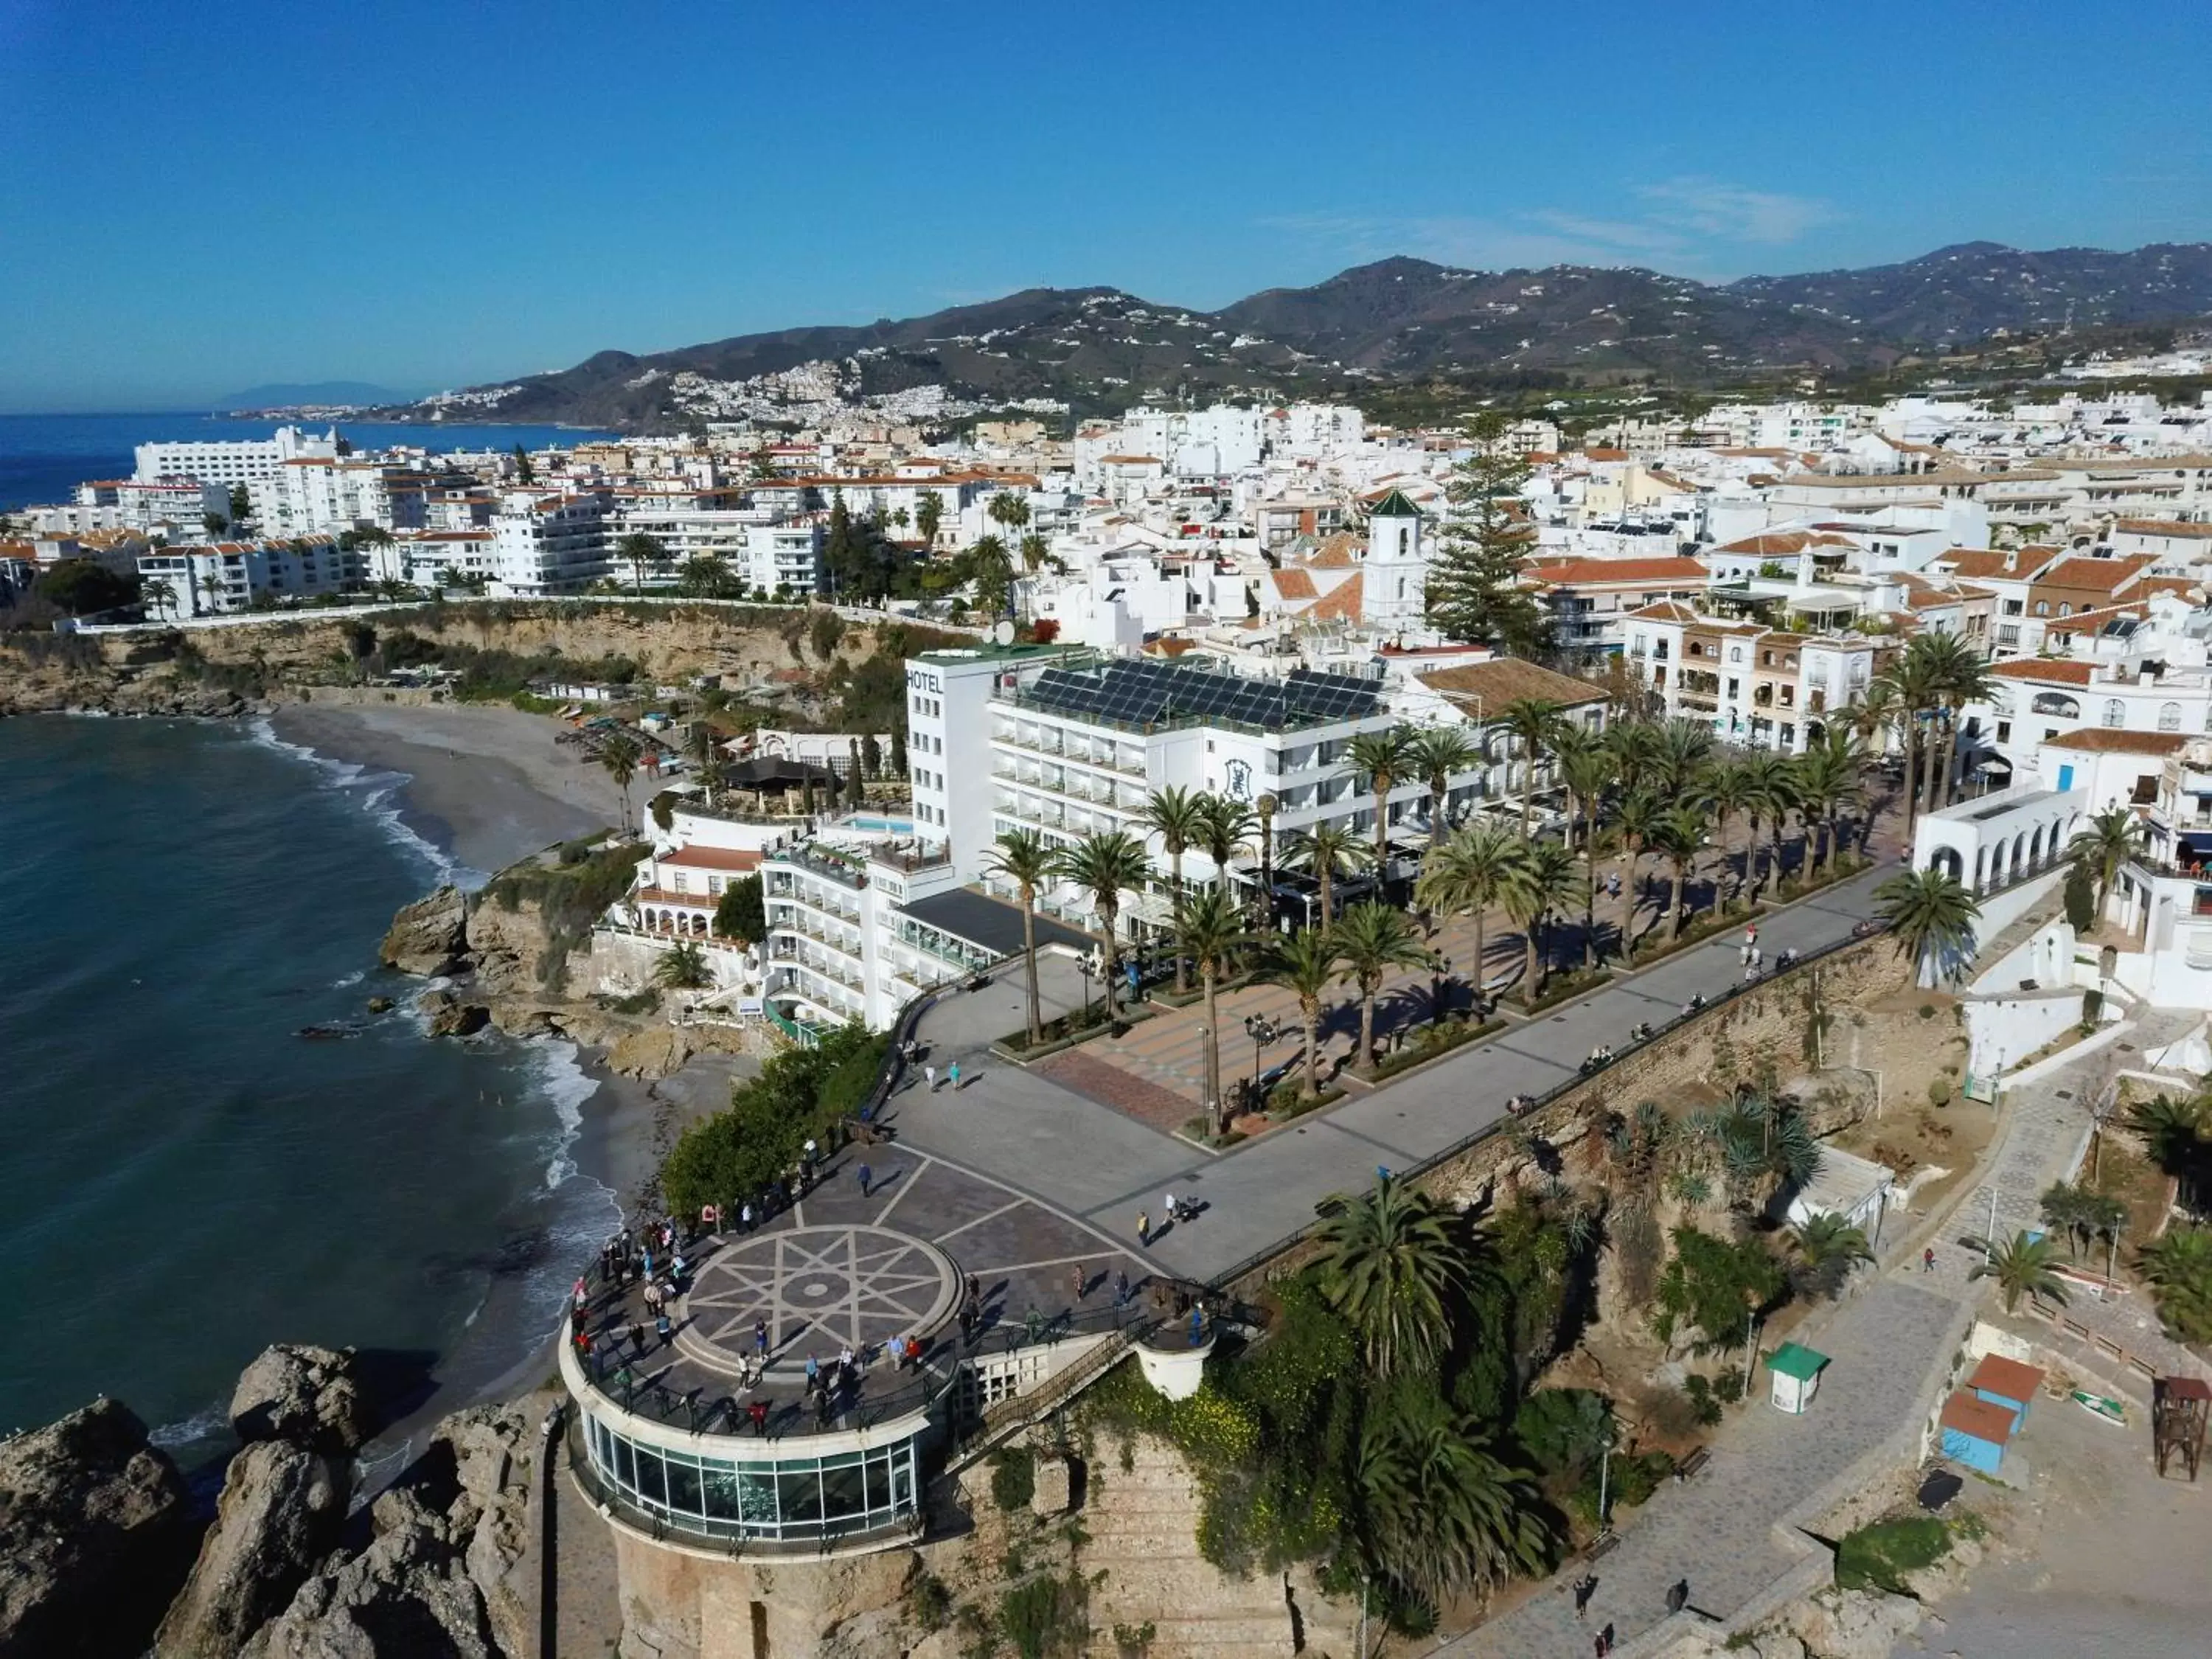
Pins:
x: 1293, y: 585
x: 1342, y: 602
x: 1507, y: 679
x: 1572, y: 573
x: 2044, y: 671
x: 2103, y: 575
x: 1338, y: 552
x: 1774, y: 543
x: 1667, y: 611
x: 2101, y: 740
x: 1982, y: 563
x: 713, y: 858
x: 2165, y: 527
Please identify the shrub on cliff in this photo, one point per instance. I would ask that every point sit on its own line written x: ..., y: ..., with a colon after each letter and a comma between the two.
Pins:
x: 799, y: 1094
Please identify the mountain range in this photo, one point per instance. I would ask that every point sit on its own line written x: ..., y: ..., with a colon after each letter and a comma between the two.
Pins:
x: 296, y: 394
x: 1396, y: 322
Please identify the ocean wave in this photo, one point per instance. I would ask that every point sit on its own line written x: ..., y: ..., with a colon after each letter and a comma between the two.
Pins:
x: 559, y: 1075
x: 353, y: 978
x: 379, y: 799
x: 202, y: 1425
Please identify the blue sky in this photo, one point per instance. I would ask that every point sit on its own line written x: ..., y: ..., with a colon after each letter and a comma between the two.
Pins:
x: 197, y: 198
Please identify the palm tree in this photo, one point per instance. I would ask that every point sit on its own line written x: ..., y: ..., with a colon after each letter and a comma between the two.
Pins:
x: 1637, y: 747
x: 2021, y: 1267
x: 1439, y: 753
x: 1324, y: 851
x: 2114, y: 837
x: 1442, y: 1514
x: 1636, y: 817
x: 1034, y: 553
x: 682, y: 968
x: 2066, y: 1209
x: 1771, y: 791
x: 1932, y: 917
x: 1225, y: 826
x: 702, y: 744
x: 1828, y: 782
x: 1683, y: 749
x: 992, y: 570
x: 1543, y: 882
x: 1392, y: 1261
x: 2178, y: 1135
x: 1264, y: 810
x: 1008, y: 511
x: 1532, y: 720
x: 1959, y: 675
x: 1827, y: 1248
x: 1469, y: 874
x: 2178, y: 1267
x: 1915, y: 691
x: 1587, y: 768
x: 1384, y: 757
x: 1177, y: 816
x: 1026, y: 859
x: 639, y: 550
x: 619, y: 755
x: 1305, y: 965
x: 1103, y: 865
x: 1724, y: 790
x: 1677, y: 837
x: 928, y: 515
x: 1214, y: 931
x: 1370, y: 941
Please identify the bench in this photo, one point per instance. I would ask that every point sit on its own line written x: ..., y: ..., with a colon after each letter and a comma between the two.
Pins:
x: 1690, y: 1465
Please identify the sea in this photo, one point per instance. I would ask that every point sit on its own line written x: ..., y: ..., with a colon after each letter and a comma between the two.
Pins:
x: 43, y: 458
x: 188, y: 1178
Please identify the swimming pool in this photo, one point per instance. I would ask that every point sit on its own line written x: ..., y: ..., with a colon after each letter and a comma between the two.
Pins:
x: 880, y: 826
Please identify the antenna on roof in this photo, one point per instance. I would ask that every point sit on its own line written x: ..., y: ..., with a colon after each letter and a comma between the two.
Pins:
x: 1002, y: 632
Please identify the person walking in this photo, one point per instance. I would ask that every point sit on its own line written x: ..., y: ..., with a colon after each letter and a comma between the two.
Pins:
x: 1678, y: 1596
x: 758, y: 1412
x: 1168, y: 1214
x: 1080, y: 1281
x: 952, y: 1075
x: 760, y: 1338
x: 667, y: 1331
x: 866, y: 1174
x: 1121, y: 1290
x: 1144, y: 1229
x: 1928, y: 1259
x: 746, y: 1219
x: 929, y: 1072
x: 813, y: 1373
x: 1584, y: 1587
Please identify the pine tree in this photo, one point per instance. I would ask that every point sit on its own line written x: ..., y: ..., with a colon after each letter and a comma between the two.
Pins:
x: 1474, y: 585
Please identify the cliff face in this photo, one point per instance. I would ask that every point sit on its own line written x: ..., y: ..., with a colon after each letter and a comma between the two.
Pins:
x: 219, y: 671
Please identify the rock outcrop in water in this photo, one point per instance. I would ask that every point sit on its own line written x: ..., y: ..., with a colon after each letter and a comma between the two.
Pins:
x: 95, y: 1535
x: 311, y: 1397
x: 427, y: 936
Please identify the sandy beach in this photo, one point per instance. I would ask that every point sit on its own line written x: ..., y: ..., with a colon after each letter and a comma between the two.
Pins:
x: 485, y: 783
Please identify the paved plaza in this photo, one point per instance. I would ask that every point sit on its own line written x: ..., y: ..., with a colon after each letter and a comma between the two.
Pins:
x: 1106, y: 1163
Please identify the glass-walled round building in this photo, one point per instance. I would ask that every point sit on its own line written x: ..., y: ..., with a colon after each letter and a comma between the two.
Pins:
x: 716, y: 1435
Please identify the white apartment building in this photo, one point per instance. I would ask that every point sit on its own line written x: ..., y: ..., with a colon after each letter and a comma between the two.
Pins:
x: 433, y: 558
x: 181, y: 582
x: 232, y: 460
x: 1072, y: 744
x: 784, y: 557
x: 545, y: 544
x: 1757, y: 687
x: 308, y: 495
x: 176, y: 507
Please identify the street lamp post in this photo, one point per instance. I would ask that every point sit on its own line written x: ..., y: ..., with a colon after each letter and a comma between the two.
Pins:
x: 1263, y: 1030
x: 1084, y: 969
x: 1439, y: 976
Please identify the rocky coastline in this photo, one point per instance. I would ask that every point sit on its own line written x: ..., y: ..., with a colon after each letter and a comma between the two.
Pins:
x: 101, y: 1553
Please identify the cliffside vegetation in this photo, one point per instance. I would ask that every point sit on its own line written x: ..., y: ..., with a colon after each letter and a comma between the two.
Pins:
x: 1383, y: 1428
x: 570, y: 893
x: 800, y: 1095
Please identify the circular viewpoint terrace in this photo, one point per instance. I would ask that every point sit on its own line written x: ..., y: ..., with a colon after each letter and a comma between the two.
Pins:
x: 712, y: 1439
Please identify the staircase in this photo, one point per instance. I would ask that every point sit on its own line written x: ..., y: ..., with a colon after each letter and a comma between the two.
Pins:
x: 1143, y: 1522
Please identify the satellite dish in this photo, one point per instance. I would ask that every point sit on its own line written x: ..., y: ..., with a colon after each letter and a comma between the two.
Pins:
x: 1002, y: 632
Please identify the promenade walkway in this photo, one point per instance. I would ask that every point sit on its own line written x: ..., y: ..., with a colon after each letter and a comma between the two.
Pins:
x: 1024, y: 1129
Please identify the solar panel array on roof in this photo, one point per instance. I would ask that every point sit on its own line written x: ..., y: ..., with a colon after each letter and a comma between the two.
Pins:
x: 1151, y: 693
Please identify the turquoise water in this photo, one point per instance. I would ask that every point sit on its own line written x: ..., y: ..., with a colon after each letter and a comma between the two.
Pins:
x: 187, y: 1179
x: 43, y: 458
